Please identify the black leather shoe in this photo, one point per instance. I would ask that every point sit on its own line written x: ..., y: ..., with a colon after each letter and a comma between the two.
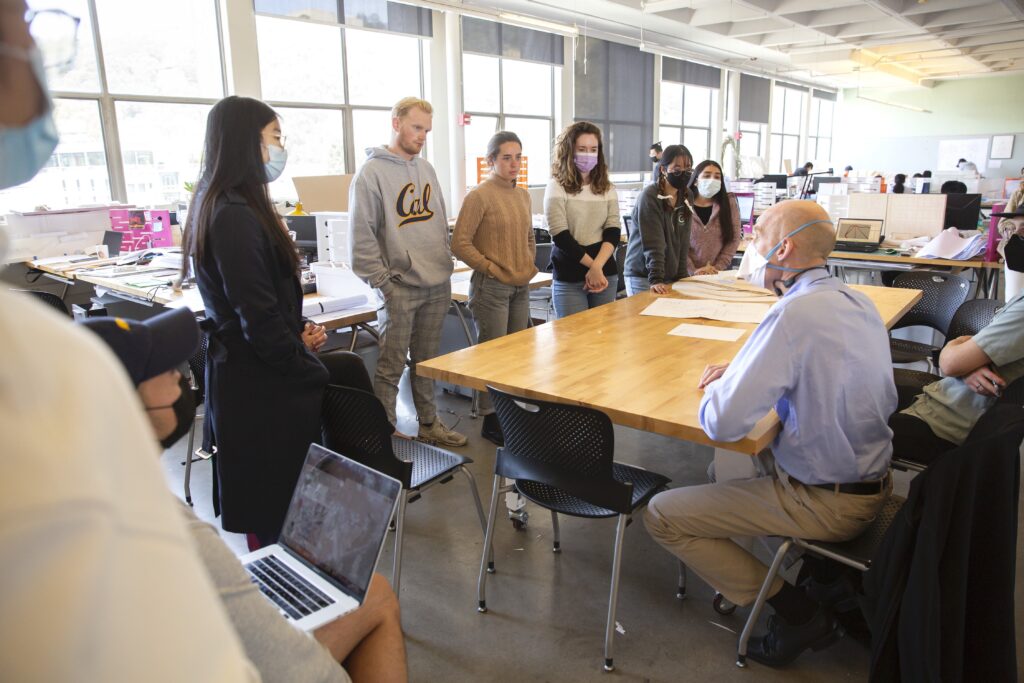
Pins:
x: 783, y: 643
x: 838, y: 596
x: 491, y: 430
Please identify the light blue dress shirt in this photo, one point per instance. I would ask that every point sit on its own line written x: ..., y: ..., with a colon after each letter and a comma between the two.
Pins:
x: 821, y: 359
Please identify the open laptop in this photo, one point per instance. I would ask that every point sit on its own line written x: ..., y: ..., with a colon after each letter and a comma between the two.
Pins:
x: 859, y: 234
x: 333, y: 534
x: 745, y: 202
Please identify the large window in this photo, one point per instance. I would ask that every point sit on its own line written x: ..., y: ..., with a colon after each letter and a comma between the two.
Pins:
x: 819, y: 140
x: 501, y: 92
x: 689, y: 105
x: 343, y: 98
x: 149, y: 88
x: 787, y: 111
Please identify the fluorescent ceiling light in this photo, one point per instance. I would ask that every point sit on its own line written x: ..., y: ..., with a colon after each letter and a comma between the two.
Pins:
x: 533, y: 22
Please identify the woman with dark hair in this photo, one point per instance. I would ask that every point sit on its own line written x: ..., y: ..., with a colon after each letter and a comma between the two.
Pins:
x: 899, y: 185
x: 660, y: 239
x: 265, y: 385
x: 715, y: 233
x: 494, y: 236
x: 581, y: 209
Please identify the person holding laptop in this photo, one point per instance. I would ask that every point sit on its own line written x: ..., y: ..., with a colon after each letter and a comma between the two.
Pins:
x: 368, y: 641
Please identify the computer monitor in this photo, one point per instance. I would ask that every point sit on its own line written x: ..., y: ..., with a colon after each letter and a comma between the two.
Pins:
x: 745, y: 202
x: 779, y: 180
x: 819, y: 179
x: 962, y: 211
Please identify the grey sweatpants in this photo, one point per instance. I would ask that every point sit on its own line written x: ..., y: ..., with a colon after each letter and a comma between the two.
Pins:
x: 410, y: 323
x: 498, y: 309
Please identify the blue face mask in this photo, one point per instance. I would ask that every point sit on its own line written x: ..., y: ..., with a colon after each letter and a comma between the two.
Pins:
x: 758, y: 270
x: 278, y: 158
x: 24, y: 150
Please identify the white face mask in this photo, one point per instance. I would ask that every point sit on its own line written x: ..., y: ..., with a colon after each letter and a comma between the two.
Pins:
x: 708, y: 187
x: 757, y: 268
x: 278, y: 158
x: 752, y: 266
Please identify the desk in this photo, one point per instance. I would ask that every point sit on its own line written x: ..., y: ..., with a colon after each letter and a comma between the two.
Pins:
x: 627, y: 365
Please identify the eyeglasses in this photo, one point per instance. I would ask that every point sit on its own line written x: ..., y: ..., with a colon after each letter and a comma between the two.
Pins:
x: 56, y: 35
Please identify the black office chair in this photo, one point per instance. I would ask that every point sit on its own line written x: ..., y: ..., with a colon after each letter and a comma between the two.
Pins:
x: 971, y: 317
x: 943, y: 293
x: 540, y: 298
x: 620, y: 266
x: 197, y: 379
x: 48, y: 298
x: 356, y: 425
x: 560, y: 457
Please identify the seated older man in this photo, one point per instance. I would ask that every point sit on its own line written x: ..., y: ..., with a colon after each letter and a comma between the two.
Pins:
x: 821, y: 360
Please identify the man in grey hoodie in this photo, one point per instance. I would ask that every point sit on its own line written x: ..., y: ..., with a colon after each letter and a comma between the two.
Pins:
x: 400, y: 246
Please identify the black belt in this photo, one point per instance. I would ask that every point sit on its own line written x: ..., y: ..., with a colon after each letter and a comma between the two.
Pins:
x: 859, y: 488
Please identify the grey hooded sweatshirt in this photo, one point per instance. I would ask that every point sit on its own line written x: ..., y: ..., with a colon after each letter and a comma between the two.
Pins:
x: 398, y: 226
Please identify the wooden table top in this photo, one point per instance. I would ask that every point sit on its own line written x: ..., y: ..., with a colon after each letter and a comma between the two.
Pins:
x: 623, y: 363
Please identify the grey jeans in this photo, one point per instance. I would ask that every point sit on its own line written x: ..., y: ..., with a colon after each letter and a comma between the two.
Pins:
x: 410, y: 323
x: 498, y: 309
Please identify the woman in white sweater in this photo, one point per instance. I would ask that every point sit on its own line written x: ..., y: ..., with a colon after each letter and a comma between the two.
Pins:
x: 581, y: 209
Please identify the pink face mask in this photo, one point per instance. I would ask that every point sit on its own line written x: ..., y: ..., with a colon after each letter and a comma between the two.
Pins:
x: 585, y: 162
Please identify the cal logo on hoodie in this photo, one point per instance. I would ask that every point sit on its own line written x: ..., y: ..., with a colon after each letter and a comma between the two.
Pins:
x: 411, y: 208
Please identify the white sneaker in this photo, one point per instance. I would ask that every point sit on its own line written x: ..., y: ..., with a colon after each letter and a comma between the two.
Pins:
x: 439, y: 435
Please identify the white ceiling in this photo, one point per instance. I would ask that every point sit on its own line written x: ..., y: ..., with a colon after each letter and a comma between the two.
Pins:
x: 842, y: 43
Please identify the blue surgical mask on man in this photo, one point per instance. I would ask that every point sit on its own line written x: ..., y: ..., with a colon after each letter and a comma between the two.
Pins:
x: 25, y: 149
x: 757, y: 270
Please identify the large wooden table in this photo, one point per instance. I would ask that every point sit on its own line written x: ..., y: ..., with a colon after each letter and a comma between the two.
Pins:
x: 624, y: 364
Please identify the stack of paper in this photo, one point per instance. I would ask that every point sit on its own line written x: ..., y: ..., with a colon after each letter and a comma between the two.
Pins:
x: 712, y: 310
x: 723, y: 290
x: 322, y: 305
x: 950, y: 245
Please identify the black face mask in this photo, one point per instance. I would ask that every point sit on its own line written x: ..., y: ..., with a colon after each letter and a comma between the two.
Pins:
x: 1013, y: 252
x: 678, y: 179
x: 185, y: 412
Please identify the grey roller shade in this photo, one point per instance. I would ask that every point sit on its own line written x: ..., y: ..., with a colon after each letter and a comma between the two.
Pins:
x: 755, y: 98
x: 679, y: 71
x: 501, y: 40
x: 617, y: 94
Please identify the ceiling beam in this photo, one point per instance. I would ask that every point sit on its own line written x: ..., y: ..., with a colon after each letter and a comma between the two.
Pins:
x: 1016, y: 8
x: 913, y: 8
x: 971, y: 15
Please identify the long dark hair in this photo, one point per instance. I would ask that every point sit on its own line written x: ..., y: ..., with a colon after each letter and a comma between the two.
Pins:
x: 722, y: 198
x: 671, y: 153
x: 232, y: 161
x: 563, y: 168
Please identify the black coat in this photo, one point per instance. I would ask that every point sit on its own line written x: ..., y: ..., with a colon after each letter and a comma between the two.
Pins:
x: 939, y: 595
x: 264, y: 387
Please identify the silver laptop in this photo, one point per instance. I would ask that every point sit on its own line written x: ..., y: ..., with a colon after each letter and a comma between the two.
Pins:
x: 333, y: 535
x: 859, y: 234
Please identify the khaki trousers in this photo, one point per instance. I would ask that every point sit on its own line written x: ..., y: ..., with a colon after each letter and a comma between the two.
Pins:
x: 696, y: 523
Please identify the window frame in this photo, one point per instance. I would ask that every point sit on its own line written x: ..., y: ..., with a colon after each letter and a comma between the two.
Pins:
x: 780, y: 135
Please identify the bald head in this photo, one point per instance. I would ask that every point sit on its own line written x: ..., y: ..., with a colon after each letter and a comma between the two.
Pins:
x: 813, y: 243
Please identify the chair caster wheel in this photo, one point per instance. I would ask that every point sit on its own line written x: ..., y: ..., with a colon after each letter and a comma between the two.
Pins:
x: 482, y: 607
x: 741, y: 661
x: 609, y: 666
x: 722, y: 606
x: 490, y: 567
x: 519, y: 518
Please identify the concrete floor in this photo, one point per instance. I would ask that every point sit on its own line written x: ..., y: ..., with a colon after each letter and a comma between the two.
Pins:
x: 547, y: 611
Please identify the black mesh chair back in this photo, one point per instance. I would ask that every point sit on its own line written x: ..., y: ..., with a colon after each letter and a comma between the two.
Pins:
x: 943, y: 295
x: 627, y: 224
x: 564, y: 446
x: 971, y: 317
x: 197, y: 366
x: 542, y: 259
x: 48, y: 298
x: 356, y: 425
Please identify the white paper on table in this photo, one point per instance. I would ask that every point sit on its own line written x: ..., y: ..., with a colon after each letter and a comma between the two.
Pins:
x: 735, y: 291
x: 731, y: 312
x: 950, y: 245
x: 729, y: 334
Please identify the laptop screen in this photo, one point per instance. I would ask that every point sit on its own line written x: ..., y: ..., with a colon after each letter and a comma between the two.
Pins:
x: 746, y: 205
x: 859, y: 230
x: 338, y: 518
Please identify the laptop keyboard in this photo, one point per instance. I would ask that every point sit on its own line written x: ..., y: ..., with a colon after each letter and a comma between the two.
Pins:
x: 293, y: 595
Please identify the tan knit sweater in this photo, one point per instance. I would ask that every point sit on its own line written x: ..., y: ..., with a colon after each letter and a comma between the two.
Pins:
x: 494, y: 232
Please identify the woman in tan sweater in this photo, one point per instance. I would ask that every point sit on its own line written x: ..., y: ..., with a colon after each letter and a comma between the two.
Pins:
x: 494, y: 236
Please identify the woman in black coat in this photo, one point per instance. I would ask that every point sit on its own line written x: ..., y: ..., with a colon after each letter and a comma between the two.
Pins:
x: 264, y: 383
